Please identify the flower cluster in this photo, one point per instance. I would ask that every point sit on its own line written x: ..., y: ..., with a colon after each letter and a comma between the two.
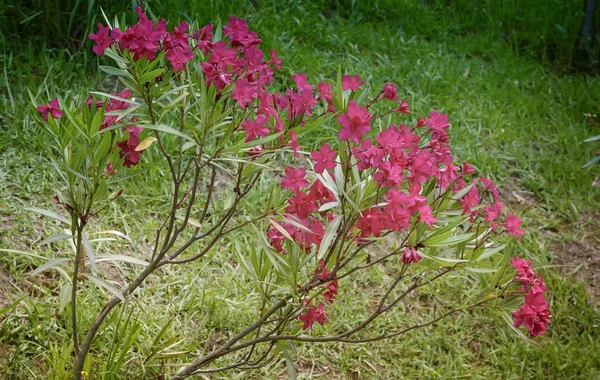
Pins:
x: 400, y: 159
x: 317, y: 314
x: 145, y: 39
x: 534, y: 313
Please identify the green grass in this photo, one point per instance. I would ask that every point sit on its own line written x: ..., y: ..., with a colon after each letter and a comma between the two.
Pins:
x: 514, y: 117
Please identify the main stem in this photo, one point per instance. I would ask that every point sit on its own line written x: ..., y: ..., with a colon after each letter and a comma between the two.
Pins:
x: 78, y: 261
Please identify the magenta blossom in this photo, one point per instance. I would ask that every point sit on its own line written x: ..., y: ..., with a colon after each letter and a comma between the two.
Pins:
x: 410, y: 255
x: 130, y: 155
x: 403, y: 107
x: 102, y: 40
x: 355, y: 122
x: 275, y: 61
x: 324, y: 159
x: 312, y: 315
x: 294, y: 179
x: 302, y: 83
x: 390, y: 92
x: 255, y: 127
x: 351, y: 83
x: 50, y: 108
x: 513, y: 226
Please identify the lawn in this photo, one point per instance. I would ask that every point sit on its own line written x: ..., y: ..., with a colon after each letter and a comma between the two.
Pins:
x: 517, y: 115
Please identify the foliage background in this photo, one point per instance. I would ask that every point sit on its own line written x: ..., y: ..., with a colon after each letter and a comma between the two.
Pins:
x: 501, y: 69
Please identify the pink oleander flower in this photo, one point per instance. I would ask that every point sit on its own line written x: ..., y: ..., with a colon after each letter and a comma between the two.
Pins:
x: 131, y: 157
x: 403, y: 107
x: 325, y: 90
x: 525, y: 274
x: 294, y: 179
x: 255, y: 128
x: 301, y: 205
x: 275, y: 61
x: 355, y: 122
x: 102, y: 40
x: 351, y: 82
x: 534, y: 314
x: 324, y: 159
x: 312, y: 315
x: 243, y: 92
x: 294, y: 144
x: 204, y: 37
x: 302, y: 83
x: 50, y: 108
x: 410, y: 255
x: 332, y: 291
x: 513, y: 226
x: 467, y: 168
x: 390, y: 92
x: 178, y: 57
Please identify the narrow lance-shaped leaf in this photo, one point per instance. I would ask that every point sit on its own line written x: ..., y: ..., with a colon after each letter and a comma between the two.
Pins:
x: 100, y: 282
x: 49, y: 214
x: 49, y: 265
x: 330, y: 234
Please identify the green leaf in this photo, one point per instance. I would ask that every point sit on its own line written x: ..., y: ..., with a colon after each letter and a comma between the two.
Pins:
x: 53, y: 238
x: 24, y: 253
x: 453, y: 240
x: 49, y: 214
x: 113, y: 232
x: 490, y: 252
x: 114, y: 71
x: 64, y: 297
x: 149, y: 76
x: 167, y: 129
x: 593, y: 161
x: 11, y: 306
x: 262, y: 141
x: 480, y: 270
x: 111, y: 96
x: 128, y: 259
x: 463, y: 192
x: 49, y: 265
x: 100, y: 282
x: 443, y: 259
x: 330, y: 234
x: 89, y: 251
x: 288, y: 360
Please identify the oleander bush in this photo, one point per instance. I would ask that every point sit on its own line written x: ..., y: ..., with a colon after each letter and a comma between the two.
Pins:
x: 204, y: 99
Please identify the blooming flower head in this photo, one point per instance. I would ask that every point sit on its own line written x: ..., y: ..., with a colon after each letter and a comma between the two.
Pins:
x: 355, y: 122
x: 50, y: 108
x: 513, y: 226
x: 255, y: 128
x: 410, y: 255
x: 243, y: 92
x: 275, y: 61
x: 403, y: 107
x: 294, y: 179
x: 525, y: 274
x: 130, y: 155
x: 324, y: 159
x: 178, y: 57
x: 312, y: 315
x: 390, y: 91
x: 302, y: 83
x: 102, y: 40
x: 534, y: 314
x: 351, y: 82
